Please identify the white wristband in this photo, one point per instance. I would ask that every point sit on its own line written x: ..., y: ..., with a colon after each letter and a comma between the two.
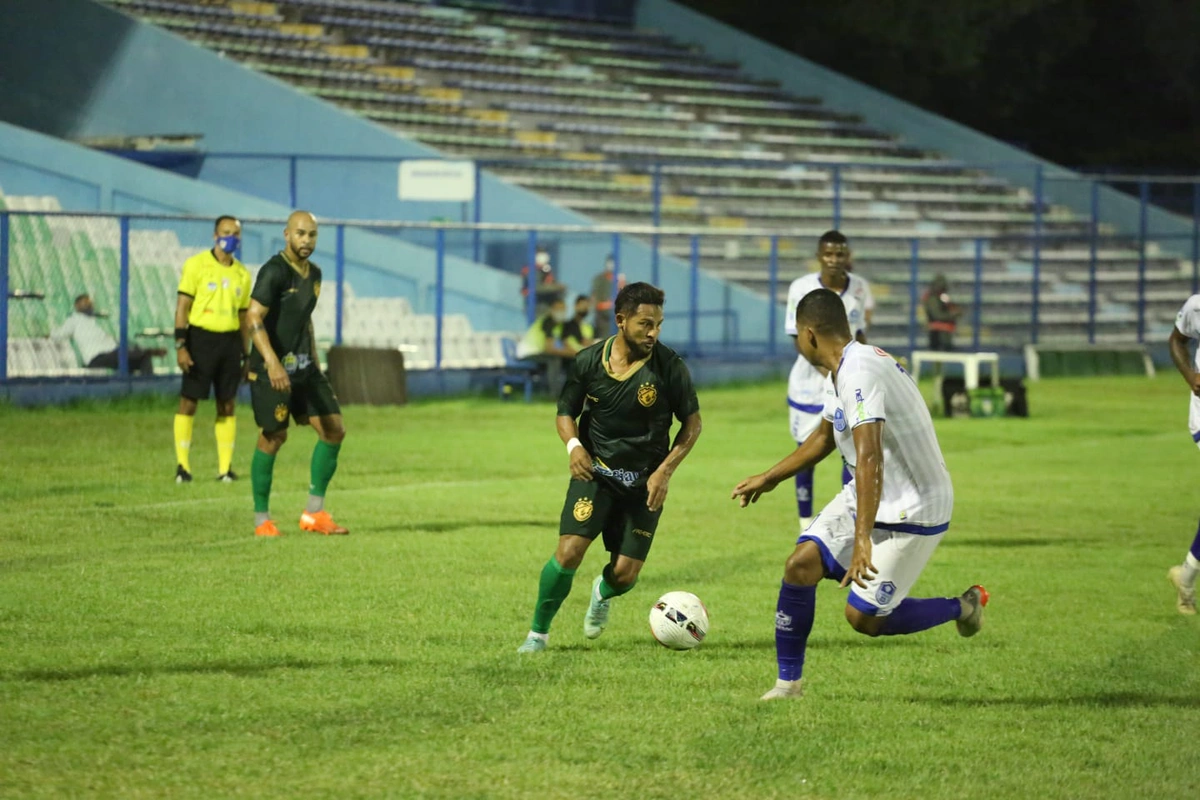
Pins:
x: 571, y: 445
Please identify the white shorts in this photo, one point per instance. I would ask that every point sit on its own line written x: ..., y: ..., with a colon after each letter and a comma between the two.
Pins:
x: 1194, y: 419
x: 898, y: 557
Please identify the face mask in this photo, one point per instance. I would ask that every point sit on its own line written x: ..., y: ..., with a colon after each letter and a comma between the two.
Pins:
x: 229, y: 243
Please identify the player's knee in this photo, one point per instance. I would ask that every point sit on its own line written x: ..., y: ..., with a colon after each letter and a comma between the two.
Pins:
x: 803, y: 567
x: 187, y: 406
x: 625, y: 573
x: 270, y: 443
x: 334, y: 434
x: 225, y: 408
x: 570, y: 551
x: 864, y: 623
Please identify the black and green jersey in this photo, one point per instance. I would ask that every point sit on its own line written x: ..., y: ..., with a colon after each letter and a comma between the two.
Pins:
x: 290, y: 299
x: 626, y: 419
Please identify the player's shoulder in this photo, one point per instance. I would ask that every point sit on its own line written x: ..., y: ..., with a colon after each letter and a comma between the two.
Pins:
x: 805, y: 283
x: 664, y: 359
x: 591, y: 356
x: 198, y: 260
x: 858, y: 285
x: 858, y: 357
x: 274, y: 263
x: 1191, y: 305
x: 314, y: 272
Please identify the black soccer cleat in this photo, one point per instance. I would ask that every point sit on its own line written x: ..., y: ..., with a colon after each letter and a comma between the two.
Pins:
x: 182, y: 475
x: 228, y: 477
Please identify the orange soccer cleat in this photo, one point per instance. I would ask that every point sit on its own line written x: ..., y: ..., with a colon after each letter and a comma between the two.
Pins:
x: 267, y: 529
x: 321, y: 522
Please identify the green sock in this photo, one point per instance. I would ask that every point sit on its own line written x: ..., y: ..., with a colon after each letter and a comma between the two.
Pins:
x: 608, y: 584
x: 553, y: 588
x: 324, y: 464
x: 262, y: 469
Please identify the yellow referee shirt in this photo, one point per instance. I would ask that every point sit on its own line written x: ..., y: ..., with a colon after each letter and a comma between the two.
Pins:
x: 218, y: 292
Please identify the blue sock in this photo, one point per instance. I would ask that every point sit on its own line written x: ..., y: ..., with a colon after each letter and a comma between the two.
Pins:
x: 917, y: 614
x: 793, y: 623
x: 846, y: 476
x: 1195, y: 549
x: 804, y: 484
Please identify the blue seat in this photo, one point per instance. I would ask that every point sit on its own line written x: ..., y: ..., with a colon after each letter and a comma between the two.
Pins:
x: 516, y: 371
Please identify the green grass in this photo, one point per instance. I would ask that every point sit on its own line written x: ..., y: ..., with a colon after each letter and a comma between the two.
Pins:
x: 150, y: 646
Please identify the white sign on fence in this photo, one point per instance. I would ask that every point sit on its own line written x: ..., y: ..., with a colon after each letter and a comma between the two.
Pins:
x: 427, y: 179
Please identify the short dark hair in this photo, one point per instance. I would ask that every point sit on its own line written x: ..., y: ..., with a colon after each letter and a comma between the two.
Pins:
x: 832, y: 237
x: 221, y: 219
x: 582, y: 298
x: 83, y: 296
x: 823, y: 311
x: 637, y: 294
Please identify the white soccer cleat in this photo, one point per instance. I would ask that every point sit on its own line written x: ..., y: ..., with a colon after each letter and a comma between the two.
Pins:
x: 784, y: 689
x: 532, y: 644
x: 1185, y: 598
x: 596, y: 618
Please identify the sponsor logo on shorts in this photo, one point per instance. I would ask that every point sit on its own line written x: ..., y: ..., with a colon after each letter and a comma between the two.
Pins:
x: 647, y: 394
x: 281, y: 412
x: 583, y: 509
x: 839, y: 420
x: 885, y: 593
x: 640, y: 532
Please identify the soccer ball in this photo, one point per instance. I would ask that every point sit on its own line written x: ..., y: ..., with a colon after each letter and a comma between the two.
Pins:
x: 679, y: 621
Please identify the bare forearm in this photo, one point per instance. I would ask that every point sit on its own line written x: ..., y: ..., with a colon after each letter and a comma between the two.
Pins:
x: 182, y: 309
x: 244, y: 330
x: 262, y: 342
x: 868, y: 482
x: 1181, y: 358
x: 685, y: 440
x: 567, y: 429
x: 811, y: 452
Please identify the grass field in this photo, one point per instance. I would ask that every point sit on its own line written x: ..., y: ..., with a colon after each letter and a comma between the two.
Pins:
x: 150, y: 646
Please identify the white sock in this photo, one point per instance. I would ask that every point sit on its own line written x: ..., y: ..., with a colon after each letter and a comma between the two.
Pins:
x: 1191, y: 567
x: 545, y: 637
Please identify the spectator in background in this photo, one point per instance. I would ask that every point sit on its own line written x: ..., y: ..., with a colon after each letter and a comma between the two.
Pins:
x: 941, y: 315
x: 602, y: 297
x: 547, y: 288
x: 543, y: 343
x: 577, y: 332
x: 97, y: 349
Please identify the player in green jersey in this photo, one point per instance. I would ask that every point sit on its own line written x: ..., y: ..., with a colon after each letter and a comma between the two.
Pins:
x: 285, y: 376
x: 624, y: 391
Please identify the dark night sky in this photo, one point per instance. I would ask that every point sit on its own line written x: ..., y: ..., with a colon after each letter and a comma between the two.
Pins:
x: 1085, y: 83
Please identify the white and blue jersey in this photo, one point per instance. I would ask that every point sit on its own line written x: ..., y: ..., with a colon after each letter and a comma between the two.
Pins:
x: 806, y: 394
x: 1187, y: 322
x: 869, y: 386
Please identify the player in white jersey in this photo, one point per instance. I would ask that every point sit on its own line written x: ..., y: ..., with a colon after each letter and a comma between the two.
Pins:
x: 879, y: 532
x: 805, y: 383
x: 1187, y: 327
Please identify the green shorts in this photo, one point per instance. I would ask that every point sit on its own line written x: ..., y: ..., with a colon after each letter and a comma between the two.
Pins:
x: 597, y: 507
x: 311, y: 396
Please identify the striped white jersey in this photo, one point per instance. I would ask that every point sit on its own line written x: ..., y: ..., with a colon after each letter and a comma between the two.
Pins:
x: 869, y: 386
x: 1187, y: 321
x: 805, y: 392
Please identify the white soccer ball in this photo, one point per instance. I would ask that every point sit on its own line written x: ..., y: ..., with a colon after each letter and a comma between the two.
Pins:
x: 679, y: 621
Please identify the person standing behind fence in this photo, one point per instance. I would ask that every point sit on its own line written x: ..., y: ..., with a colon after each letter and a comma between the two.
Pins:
x: 602, y: 298
x: 211, y: 340
x: 286, y: 379
x: 940, y: 314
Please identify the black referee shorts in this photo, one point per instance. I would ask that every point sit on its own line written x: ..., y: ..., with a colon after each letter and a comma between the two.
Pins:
x: 217, y: 364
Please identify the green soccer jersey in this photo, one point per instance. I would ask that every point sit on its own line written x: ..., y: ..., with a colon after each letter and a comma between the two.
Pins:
x: 290, y: 299
x: 626, y: 419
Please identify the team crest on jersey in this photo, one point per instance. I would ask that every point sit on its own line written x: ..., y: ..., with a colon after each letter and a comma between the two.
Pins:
x: 647, y: 394
x: 582, y: 510
x: 839, y: 420
x: 281, y: 412
x: 885, y: 593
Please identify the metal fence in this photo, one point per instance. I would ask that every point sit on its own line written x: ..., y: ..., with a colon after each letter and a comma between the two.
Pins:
x: 406, y: 284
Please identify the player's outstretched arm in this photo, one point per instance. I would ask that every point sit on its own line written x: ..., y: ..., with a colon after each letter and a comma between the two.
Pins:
x: 868, y: 483
x: 579, y: 460
x: 1178, y: 344
x: 660, y: 480
x: 810, y: 452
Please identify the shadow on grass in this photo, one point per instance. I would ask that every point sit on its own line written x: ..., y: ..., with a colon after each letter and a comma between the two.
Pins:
x: 451, y: 526
x: 1096, y: 700
x: 1011, y: 542
x: 239, y: 668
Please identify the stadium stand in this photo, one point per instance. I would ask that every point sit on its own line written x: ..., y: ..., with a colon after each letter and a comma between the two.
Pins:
x: 580, y: 111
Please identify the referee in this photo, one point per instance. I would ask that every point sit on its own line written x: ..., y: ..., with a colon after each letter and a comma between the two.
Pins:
x: 212, y: 339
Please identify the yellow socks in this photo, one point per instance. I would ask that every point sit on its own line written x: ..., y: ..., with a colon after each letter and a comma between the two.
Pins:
x: 226, y: 429
x: 183, y: 440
